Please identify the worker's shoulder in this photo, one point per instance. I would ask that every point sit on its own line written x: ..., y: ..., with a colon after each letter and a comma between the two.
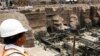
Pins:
x: 15, y: 54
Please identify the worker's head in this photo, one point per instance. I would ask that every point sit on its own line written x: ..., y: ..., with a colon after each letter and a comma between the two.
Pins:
x: 73, y: 17
x: 57, y: 20
x: 13, y: 32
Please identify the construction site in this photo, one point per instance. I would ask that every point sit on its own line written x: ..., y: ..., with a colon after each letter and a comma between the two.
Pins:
x: 56, y: 27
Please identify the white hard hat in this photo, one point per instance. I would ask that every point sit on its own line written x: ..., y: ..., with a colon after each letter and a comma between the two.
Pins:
x: 11, y: 27
x: 73, y: 16
x: 58, y: 18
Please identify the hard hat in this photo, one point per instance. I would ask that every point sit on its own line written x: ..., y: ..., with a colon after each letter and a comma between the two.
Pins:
x: 58, y: 18
x: 11, y: 27
x: 73, y: 16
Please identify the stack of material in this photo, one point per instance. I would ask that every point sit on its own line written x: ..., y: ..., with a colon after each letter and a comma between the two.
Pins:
x: 21, y: 17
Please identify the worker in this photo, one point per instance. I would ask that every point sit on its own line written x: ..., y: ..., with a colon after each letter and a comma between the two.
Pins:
x: 74, y: 23
x: 88, y: 23
x: 14, y: 35
x: 57, y: 24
